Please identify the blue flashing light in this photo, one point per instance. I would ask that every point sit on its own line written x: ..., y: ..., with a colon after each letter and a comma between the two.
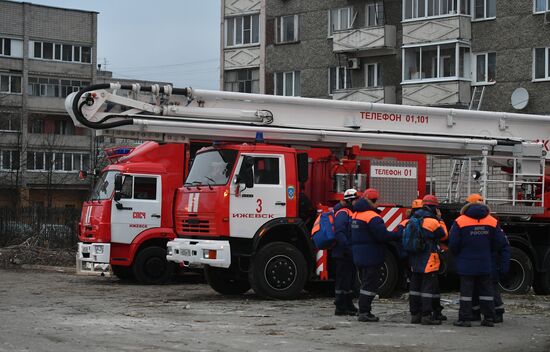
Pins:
x: 259, y: 137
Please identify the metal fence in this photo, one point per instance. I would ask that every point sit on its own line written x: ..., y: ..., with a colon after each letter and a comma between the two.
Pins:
x: 42, y: 227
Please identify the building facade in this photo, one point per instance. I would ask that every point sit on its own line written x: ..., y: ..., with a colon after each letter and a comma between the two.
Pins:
x: 45, y: 54
x: 453, y: 53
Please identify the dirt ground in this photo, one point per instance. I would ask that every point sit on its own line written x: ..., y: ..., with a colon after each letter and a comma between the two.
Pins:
x: 59, y: 311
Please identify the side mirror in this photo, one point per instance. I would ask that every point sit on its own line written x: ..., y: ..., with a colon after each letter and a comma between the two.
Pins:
x: 118, y: 196
x: 246, y: 174
x: 118, y: 182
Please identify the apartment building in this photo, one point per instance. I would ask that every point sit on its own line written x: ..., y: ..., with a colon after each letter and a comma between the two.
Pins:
x: 454, y: 53
x: 45, y: 54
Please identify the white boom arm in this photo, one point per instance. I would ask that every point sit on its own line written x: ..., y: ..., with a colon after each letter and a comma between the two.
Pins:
x: 171, y: 114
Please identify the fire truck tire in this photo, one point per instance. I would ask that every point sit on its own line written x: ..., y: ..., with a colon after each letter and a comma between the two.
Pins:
x: 124, y: 273
x: 151, y: 267
x: 390, y: 275
x: 223, y: 281
x: 520, y: 277
x: 541, y: 285
x: 278, y: 270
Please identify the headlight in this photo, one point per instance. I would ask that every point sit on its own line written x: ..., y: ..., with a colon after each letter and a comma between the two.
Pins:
x: 209, y: 254
x: 98, y: 249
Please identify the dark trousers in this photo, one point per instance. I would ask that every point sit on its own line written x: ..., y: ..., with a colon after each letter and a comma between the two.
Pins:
x: 344, y: 279
x: 497, y: 300
x: 424, y: 297
x: 370, y: 277
x: 468, y: 283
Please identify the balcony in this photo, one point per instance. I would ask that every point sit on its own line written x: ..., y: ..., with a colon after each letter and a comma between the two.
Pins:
x: 446, y: 93
x: 381, y: 39
x: 384, y: 94
x: 437, y: 29
x: 241, y: 58
x: 57, y: 141
x: 49, y: 104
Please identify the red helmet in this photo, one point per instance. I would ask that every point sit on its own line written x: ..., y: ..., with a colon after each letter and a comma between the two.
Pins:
x: 430, y: 199
x: 371, y: 194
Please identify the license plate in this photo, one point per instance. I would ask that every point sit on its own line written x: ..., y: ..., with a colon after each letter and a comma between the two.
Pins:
x: 186, y: 252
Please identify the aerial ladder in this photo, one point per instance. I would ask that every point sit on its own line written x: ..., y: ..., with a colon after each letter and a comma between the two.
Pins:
x: 506, y: 150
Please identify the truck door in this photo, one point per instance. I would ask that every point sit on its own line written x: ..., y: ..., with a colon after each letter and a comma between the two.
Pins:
x: 250, y: 208
x: 139, y: 208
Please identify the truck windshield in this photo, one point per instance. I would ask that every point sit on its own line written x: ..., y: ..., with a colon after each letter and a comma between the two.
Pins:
x: 212, y: 167
x: 104, y: 187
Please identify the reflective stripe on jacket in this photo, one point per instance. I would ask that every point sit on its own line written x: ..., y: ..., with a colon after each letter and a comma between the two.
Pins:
x: 428, y: 261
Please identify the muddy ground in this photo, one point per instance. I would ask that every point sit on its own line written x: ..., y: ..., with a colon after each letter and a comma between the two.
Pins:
x: 59, y: 311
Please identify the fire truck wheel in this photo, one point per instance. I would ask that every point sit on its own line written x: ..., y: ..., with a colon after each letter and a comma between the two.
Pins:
x: 541, y: 285
x: 223, y: 281
x: 278, y: 270
x: 151, y: 267
x: 124, y: 273
x: 390, y: 275
x: 520, y: 277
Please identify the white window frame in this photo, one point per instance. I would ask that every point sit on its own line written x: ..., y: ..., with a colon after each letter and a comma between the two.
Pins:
x: 541, y: 11
x: 417, y: 16
x: 9, y: 83
x: 234, y: 34
x: 11, y: 153
x: 294, y: 82
x: 280, y: 29
x: 485, y: 82
x: 484, y: 18
x: 59, y: 47
x: 76, y: 159
x: 375, y: 5
x: 376, y: 74
x: 347, y: 85
x: 456, y: 77
x: 339, y: 27
x: 546, y: 64
x: 16, y: 47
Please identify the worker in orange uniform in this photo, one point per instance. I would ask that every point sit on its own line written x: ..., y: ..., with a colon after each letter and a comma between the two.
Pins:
x: 369, y: 235
x: 475, y: 237
x: 424, y: 286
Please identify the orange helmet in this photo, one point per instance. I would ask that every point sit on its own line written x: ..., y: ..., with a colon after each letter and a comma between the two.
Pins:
x: 416, y: 204
x: 371, y: 194
x: 430, y: 199
x: 474, y: 198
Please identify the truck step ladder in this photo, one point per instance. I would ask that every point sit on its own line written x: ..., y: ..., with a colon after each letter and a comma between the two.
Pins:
x: 458, y: 172
x: 477, y: 97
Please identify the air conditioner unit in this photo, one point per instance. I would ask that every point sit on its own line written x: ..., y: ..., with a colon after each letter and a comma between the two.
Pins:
x: 353, y: 63
x: 547, y: 18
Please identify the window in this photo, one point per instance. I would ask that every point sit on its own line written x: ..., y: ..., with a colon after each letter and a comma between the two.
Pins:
x: 266, y: 171
x: 339, y: 19
x: 484, y: 9
x: 436, y: 62
x: 286, y: 29
x: 60, y: 52
x: 10, y: 122
x: 339, y: 78
x: 485, y: 67
x: 11, y: 47
x: 10, y: 84
x: 413, y: 9
x: 541, y: 64
x: 287, y: 83
x: 36, y: 125
x: 57, y: 161
x: 244, y: 81
x: 64, y: 127
x: 53, y: 87
x: 127, y: 187
x: 242, y: 30
x: 9, y: 160
x: 541, y: 6
x: 375, y: 14
x: 373, y: 75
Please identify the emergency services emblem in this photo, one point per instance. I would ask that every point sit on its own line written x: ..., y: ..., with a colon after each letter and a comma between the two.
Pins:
x: 291, y: 192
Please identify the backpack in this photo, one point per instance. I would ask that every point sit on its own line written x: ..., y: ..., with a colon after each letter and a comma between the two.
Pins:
x: 413, y: 239
x: 323, y: 234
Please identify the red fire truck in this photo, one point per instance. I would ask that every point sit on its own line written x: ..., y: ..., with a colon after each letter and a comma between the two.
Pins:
x: 244, y: 210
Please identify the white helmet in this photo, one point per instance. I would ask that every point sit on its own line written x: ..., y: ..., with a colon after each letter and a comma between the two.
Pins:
x: 350, y: 194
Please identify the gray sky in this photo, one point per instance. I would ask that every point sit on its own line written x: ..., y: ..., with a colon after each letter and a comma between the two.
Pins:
x: 165, y: 40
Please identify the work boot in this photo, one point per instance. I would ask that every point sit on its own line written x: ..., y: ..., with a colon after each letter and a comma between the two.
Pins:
x: 340, y: 312
x: 416, y: 318
x: 476, y: 315
x: 352, y: 308
x: 462, y: 323
x: 499, y: 318
x: 368, y: 317
x: 439, y: 316
x: 429, y: 320
x: 487, y: 322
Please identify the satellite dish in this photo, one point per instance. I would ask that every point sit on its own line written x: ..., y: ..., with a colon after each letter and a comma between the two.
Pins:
x: 520, y: 98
